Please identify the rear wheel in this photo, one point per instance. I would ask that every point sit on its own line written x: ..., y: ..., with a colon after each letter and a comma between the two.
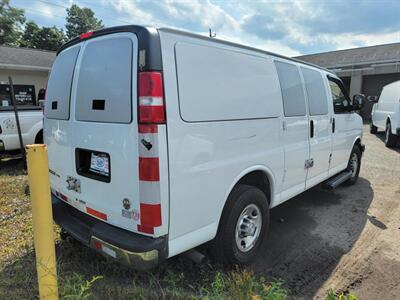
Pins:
x: 373, y: 129
x: 354, y: 165
x: 243, y: 225
x: 390, y: 138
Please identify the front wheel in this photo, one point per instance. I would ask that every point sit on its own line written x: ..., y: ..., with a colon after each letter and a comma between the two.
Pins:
x: 243, y: 224
x: 390, y: 138
x: 354, y: 165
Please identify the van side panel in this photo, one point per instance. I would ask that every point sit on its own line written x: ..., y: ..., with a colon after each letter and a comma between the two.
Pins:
x: 213, y: 82
x: 388, y: 106
x: 205, y: 157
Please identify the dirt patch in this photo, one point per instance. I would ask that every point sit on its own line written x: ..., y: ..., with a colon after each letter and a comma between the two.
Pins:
x: 346, y: 239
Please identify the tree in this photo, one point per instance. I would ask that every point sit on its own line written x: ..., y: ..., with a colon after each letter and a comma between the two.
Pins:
x: 29, y: 37
x: 81, y: 20
x: 46, y: 38
x: 11, y: 21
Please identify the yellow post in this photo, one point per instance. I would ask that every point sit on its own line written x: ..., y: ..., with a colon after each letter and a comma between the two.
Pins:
x: 38, y: 173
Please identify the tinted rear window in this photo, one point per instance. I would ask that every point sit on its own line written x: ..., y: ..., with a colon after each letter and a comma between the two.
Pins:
x: 294, y: 103
x: 59, y: 85
x: 316, y: 93
x: 104, y: 88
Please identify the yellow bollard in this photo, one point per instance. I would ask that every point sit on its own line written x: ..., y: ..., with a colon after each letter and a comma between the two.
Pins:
x: 39, y: 183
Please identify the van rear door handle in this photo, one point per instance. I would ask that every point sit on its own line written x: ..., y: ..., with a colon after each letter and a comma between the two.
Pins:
x: 311, y: 128
x: 333, y: 125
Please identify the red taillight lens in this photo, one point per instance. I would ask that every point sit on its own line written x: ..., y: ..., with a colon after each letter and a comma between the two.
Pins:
x: 151, y: 98
x: 86, y: 35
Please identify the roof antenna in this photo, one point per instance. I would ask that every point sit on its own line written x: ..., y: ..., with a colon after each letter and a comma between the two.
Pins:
x: 212, y: 35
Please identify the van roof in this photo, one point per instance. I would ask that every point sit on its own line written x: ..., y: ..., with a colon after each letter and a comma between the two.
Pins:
x: 149, y: 41
x: 241, y: 46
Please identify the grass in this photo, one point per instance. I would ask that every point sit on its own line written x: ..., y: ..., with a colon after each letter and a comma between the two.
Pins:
x: 83, y: 274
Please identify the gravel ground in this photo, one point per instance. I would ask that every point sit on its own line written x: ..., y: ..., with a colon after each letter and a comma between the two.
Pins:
x: 347, y: 239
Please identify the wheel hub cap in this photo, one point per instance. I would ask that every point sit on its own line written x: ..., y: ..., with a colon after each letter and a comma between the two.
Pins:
x: 354, y: 164
x: 248, y: 228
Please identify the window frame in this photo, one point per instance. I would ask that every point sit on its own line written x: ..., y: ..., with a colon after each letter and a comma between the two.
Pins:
x: 343, y: 90
x: 301, y: 86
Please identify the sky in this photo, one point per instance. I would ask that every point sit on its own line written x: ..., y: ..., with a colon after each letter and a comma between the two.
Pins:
x: 290, y: 28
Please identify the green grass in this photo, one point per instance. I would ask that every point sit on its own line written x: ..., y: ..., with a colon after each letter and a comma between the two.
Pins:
x: 83, y: 274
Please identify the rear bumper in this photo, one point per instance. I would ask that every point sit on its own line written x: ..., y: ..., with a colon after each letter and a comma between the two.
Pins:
x: 140, y: 252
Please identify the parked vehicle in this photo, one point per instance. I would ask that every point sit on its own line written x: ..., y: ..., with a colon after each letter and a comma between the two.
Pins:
x: 385, y: 114
x: 161, y: 140
x: 30, y: 118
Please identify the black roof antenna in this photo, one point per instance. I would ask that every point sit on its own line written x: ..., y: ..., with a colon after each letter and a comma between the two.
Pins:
x: 212, y: 35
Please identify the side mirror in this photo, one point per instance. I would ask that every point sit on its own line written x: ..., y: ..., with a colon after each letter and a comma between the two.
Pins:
x: 372, y: 99
x: 358, y: 101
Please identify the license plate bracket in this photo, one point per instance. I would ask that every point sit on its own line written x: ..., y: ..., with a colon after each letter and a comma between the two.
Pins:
x: 93, y: 164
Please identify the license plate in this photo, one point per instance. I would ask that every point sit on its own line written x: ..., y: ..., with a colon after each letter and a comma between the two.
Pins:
x: 100, y: 164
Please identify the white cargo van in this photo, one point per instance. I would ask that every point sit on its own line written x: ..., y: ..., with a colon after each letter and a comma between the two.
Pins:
x: 161, y: 140
x: 385, y: 114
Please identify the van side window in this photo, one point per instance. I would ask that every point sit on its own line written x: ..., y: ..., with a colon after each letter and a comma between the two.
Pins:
x: 341, y: 102
x: 316, y: 93
x: 292, y: 89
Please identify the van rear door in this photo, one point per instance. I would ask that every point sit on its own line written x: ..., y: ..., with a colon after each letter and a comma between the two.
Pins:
x: 94, y: 143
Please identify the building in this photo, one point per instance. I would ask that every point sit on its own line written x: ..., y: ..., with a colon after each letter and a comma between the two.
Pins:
x: 363, y: 70
x: 27, y: 67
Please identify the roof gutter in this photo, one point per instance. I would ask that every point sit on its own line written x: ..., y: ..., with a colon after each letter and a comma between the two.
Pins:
x: 24, y: 67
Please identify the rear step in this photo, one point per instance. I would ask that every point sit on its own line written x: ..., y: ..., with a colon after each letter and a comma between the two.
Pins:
x: 337, y: 180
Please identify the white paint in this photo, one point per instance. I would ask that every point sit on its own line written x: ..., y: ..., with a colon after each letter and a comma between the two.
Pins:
x: 388, y: 107
x: 218, y: 130
x: 31, y: 122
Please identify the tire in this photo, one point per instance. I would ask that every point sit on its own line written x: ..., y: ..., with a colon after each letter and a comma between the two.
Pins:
x: 372, y: 129
x: 354, y: 165
x: 390, y: 138
x: 39, y: 137
x: 244, y: 200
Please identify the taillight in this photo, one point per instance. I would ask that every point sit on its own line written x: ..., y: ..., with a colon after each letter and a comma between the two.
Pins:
x: 86, y: 35
x: 151, y: 98
x: 151, y: 116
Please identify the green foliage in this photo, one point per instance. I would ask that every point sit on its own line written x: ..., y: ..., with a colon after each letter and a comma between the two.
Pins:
x: 81, y: 20
x: 75, y: 287
x: 332, y: 296
x: 11, y: 21
x: 243, y: 285
x: 46, y: 38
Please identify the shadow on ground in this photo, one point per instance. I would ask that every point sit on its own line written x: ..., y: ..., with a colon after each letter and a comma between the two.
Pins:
x: 310, y: 233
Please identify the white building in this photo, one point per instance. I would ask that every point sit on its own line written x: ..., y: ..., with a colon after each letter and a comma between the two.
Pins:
x: 25, y: 66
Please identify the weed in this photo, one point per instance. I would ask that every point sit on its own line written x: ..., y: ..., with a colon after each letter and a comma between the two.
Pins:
x: 332, y: 296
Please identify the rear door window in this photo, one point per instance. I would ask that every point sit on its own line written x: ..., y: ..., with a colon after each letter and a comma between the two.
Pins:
x: 294, y: 103
x: 59, y: 86
x: 316, y: 93
x: 104, y: 87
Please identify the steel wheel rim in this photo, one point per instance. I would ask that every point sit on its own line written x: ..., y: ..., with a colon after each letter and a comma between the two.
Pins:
x: 248, y: 228
x: 354, y: 164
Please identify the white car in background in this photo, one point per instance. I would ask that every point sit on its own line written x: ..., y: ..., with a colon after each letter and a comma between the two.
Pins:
x: 31, y: 121
x: 386, y: 114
